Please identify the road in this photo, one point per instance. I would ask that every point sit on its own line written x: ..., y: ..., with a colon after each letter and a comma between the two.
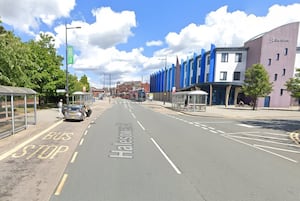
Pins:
x: 132, y: 152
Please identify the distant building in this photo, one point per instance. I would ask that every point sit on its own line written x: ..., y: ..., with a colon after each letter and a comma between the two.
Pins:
x: 126, y: 89
x: 220, y: 71
x: 97, y: 92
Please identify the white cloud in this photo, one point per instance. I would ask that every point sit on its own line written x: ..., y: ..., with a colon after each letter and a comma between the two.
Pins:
x: 95, y: 44
x: 154, y: 43
x: 225, y: 28
x: 26, y: 15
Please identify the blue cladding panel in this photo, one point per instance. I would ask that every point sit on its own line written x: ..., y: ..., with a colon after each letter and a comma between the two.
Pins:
x: 188, y: 73
x: 202, y: 67
x: 212, y: 63
x: 194, y: 78
x: 182, y: 75
x: 173, y: 76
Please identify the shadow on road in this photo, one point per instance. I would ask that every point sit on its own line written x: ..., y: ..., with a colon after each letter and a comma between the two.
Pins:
x: 276, y: 124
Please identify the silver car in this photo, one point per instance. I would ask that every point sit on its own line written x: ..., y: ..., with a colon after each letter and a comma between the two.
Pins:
x: 75, y: 112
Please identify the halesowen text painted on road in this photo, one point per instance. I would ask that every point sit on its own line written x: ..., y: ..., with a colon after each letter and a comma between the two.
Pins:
x: 45, y: 151
x: 124, y: 145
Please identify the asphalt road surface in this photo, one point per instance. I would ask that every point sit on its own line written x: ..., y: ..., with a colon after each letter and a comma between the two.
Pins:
x: 133, y: 153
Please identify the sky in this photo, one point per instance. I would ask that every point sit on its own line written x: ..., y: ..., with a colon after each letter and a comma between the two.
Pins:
x: 128, y: 40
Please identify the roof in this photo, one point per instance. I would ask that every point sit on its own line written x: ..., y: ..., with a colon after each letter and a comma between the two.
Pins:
x: 9, y: 90
x: 196, y: 92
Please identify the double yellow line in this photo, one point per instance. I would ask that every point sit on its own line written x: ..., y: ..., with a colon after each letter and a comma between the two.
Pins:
x: 295, y: 137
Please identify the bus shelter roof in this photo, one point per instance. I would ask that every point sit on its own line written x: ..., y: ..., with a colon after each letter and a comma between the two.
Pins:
x: 9, y: 90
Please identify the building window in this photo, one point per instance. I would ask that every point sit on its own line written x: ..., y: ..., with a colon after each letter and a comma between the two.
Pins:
x: 283, y: 71
x: 277, y: 56
x: 208, y: 60
x: 286, y: 51
x: 237, y: 76
x: 275, y: 77
x: 281, y: 92
x: 224, y: 57
x: 223, y: 75
x: 238, y: 57
x: 269, y: 62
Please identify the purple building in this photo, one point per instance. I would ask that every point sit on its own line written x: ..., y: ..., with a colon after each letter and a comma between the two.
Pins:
x: 276, y: 51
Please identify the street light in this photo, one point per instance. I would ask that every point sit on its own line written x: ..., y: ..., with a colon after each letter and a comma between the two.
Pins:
x: 67, y: 70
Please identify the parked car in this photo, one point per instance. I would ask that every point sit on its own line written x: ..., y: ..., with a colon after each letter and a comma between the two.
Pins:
x: 76, y: 112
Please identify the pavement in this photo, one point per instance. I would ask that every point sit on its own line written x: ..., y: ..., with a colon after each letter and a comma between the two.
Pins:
x: 237, y: 112
x: 48, y: 117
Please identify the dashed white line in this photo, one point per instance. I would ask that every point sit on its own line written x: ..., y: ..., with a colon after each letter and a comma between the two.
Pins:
x: 133, y: 115
x: 141, y: 125
x: 166, y: 157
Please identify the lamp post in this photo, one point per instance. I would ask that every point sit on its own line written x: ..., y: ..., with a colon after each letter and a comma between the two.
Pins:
x: 67, y: 70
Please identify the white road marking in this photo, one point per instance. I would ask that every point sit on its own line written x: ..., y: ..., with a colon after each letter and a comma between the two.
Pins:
x: 221, y: 131
x: 141, y: 125
x: 285, y: 135
x: 133, y: 115
x: 213, y: 131
x: 264, y: 136
x: 251, y: 145
x: 276, y: 148
x: 81, y: 141
x: 166, y: 157
x: 74, y: 157
x: 16, y: 148
x: 85, y: 133
x: 246, y: 125
x: 61, y: 184
x: 260, y: 140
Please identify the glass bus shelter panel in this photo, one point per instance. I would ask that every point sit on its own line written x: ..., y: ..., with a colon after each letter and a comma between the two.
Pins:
x: 19, y: 112
x: 5, y: 116
x: 30, y: 109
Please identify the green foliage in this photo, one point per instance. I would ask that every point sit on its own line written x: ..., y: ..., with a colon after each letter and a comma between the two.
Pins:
x: 45, y: 73
x: 77, y: 85
x: 34, y: 64
x: 256, y: 83
x: 13, y: 60
x: 293, y: 85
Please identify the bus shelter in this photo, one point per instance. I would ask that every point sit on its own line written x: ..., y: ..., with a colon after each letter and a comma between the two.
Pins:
x: 193, y: 101
x: 82, y: 98
x: 17, y: 109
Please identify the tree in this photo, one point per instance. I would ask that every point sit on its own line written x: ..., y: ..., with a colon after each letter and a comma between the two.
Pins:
x: 13, y: 60
x: 293, y: 85
x: 45, y: 73
x: 84, y: 82
x: 256, y: 83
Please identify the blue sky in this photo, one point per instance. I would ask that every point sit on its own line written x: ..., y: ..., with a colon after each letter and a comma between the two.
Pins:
x: 129, y: 39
